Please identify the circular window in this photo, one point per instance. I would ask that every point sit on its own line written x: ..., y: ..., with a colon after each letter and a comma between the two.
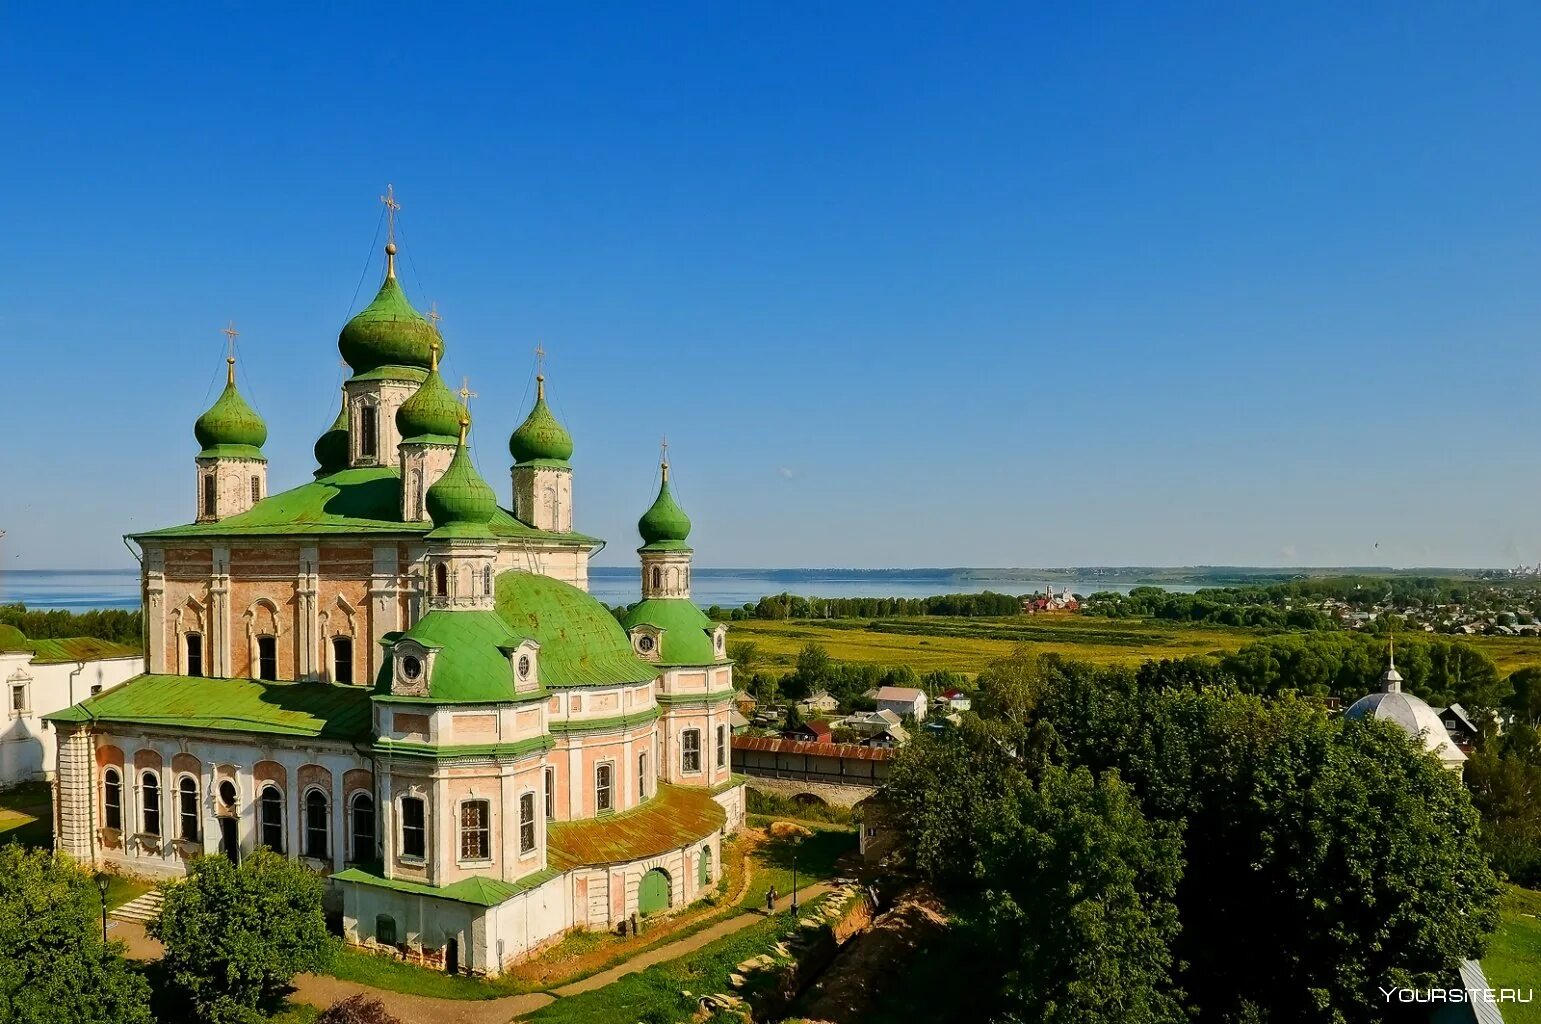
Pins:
x: 645, y: 644
x: 227, y: 793
x: 524, y: 666
x: 411, y: 667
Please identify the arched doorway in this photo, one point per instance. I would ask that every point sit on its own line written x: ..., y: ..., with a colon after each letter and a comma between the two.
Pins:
x: 654, y: 893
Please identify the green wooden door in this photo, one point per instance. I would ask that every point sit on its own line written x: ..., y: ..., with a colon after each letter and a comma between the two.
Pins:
x: 654, y: 895
x: 706, y: 867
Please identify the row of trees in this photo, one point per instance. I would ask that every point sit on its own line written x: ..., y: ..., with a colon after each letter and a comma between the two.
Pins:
x: 815, y: 670
x: 1141, y: 848
x: 791, y: 606
x: 115, y: 624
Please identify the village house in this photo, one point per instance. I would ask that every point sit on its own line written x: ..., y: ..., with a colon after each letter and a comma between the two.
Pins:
x: 820, y: 703
x: 904, y: 701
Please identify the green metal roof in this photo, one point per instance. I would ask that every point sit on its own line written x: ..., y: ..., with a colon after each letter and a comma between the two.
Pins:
x: 230, y: 424
x: 580, y: 641
x: 320, y: 710
x: 332, y: 446
x: 687, y: 632
x: 356, y: 501
x: 675, y: 816
x: 472, y: 659
x: 431, y: 414
x: 664, y: 526
x: 460, y: 502
x: 59, y: 651
x: 540, y: 438
x: 388, y: 333
x: 477, y: 890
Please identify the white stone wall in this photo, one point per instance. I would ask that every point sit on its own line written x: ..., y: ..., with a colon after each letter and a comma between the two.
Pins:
x: 27, y: 743
x: 421, y: 467
x: 543, y: 497
x: 232, y: 486
x: 385, y: 396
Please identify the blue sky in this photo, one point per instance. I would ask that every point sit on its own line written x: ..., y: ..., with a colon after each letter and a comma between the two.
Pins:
x: 904, y: 285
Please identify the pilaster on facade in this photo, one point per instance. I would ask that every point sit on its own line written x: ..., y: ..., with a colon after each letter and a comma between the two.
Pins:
x: 154, y: 567
x: 308, y: 640
x: 666, y: 574
x: 384, y: 605
x: 543, y: 496
x: 372, y: 404
x: 220, y: 655
x: 75, y: 792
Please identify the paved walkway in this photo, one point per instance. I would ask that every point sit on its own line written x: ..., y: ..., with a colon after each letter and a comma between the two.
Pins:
x: 323, y: 991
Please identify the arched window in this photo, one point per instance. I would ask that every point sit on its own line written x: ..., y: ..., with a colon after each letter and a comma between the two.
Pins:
x: 112, y: 798
x: 271, y: 807
x: 657, y: 577
x: 487, y: 580
x: 603, y: 778
x: 642, y: 776
x: 368, y: 442
x: 342, y: 659
x: 150, y: 796
x: 550, y: 774
x: 363, y: 828
x: 385, y: 930
x: 441, y: 580
x: 256, y: 489
x: 475, y: 830
x: 526, y: 822
x: 690, y: 750
x: 317, y: 824
x: 187, y: 809
x: 194, y: 644
x: 414, y: 828
x: 267, y: 657
x: 210, y: 489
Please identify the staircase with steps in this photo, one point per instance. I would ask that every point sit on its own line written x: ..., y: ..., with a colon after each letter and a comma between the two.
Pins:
x: 141, y: 909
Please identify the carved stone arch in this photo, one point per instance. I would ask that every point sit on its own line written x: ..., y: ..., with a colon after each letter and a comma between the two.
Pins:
x: 254, y: 620
x: 347, y: 623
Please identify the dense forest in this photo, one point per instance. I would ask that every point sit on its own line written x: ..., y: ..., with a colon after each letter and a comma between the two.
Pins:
x: 791, y: 606
x: 115, y: 624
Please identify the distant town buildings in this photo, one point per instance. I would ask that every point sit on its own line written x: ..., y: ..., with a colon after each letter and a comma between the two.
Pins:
x: 1049, y: 601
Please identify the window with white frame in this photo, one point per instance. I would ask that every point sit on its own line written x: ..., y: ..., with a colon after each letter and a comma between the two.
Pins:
x: 112, y: 798
x: 690, y: 750
x: 526, y: 823
x: 318, y: 825
x: 270, y: 809
x: 475, y: 830
x: 19, y: 699
x: 414, y: 828
x: 187, y: 809
x: 150, y: 797
x: 194, y: 643
x: 604, y: 782
x: 722, y: 746
x: 550, y: 774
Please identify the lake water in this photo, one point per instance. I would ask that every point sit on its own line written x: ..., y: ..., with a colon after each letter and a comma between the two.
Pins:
x: 620, y: 585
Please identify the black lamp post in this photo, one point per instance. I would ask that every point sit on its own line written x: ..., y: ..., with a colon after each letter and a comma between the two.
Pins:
x: 103, y: 881
x: 794, y: 884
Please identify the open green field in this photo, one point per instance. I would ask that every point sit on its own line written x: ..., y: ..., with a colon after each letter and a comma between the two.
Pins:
x: 1514, y: 957
x: 970, y: 644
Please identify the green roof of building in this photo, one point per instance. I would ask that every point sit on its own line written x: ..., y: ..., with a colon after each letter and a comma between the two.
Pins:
x: 664, y: 526
x: 471, y: 663
x: 460, y: 502
x: 581, y: 643
x: 12, y: 640
x: 230, y: 428
x: 687, y: 632
x: 432, y: 414
x: 388, y: 332
x: 540, y: 438
x: 675, y: 816
x: 353, y: 501
x: 320, y: 710
x: 332, y: 446
x: 478, y: 890
x: 63, y: 650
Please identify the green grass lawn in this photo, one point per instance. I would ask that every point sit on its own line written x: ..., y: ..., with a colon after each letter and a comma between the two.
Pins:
x: 816, y: 856
x: 394, y: 975
x: 120, y: 890
x: 26, y: 815
x: 1514, y: 955
x: 659, y: 992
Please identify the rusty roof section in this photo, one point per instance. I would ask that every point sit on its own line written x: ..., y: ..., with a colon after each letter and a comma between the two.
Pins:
x: 854, y: 751
x: 676, y: 816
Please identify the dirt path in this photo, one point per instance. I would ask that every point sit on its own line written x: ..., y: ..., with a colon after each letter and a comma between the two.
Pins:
x: 323, y: 991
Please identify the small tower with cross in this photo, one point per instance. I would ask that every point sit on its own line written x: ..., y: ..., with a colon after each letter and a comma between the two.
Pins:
x: 664, y: 528
x: 428, y: 424
x: 542, y: 473
x: 232, y: 471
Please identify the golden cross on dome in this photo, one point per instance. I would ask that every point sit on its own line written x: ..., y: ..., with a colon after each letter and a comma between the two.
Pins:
x: 391, y: 206
x: 466, y: 394
x: 433, y: 313
x: 540, y: 360
x: 230, y: 334
x: 663, y: 456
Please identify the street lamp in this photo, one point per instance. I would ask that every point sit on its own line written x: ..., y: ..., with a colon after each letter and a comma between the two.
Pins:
x: 103, y: 882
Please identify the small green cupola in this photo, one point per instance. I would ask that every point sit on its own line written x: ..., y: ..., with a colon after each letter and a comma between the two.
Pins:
x: 388, y: 333
x: 432, y: 414
x: 460, y: 503
x: 664, y: 526
x: 231, y: 428
x: 540, y: 438
x: 332, y: 446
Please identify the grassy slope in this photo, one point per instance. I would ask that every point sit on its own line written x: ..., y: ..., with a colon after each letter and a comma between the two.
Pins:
x: 968, y: 645
x: 1514, y: 956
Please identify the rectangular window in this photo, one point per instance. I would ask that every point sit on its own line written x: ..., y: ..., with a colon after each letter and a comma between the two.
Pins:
x: 603, y: 778
x: 550, y: 794
x: 475, y: 835
x: 414, y: 833
x: 367, y: 445
x: 187, y: 807
x: 527, y: 823
x: 690, y: 751
x: 642, y: 776
x: 272, y: 812
x: 267, y: 657
x: 722, y: 745
x: 19, y: 699
x: 150, y: 796
x: 318, y: 825
x: 194, y: 643
x: 209, y: 490
x: 342, y: 659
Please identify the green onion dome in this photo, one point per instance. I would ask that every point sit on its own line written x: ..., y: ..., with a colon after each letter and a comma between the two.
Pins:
x: 665, y: 525
x: 332, y: 446
x: 230, y: 427
x: 460, y: 500
x: 388, y: 331
x: 540, y: 438
x: 432, y: 413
